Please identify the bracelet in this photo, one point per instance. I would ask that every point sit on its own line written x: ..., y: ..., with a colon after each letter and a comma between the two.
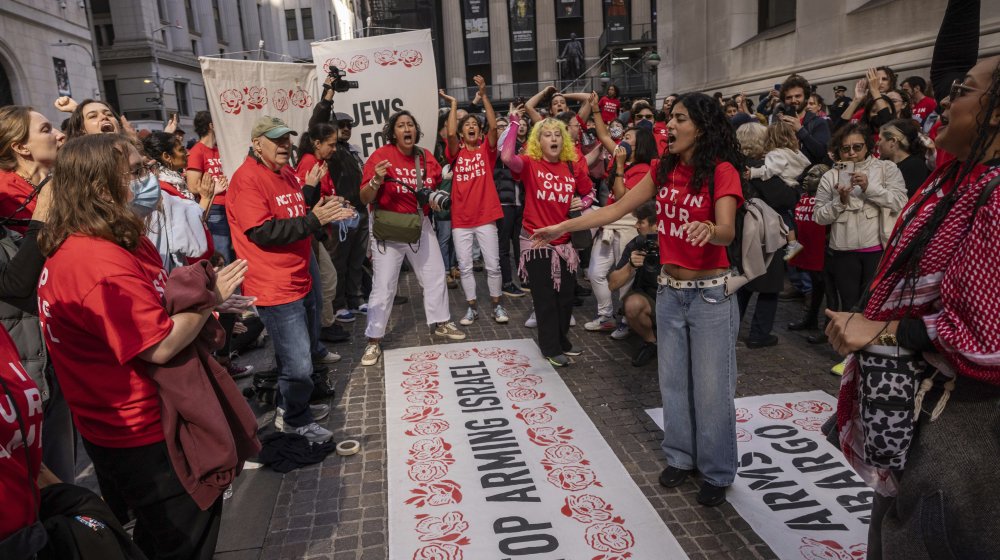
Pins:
x: 711, y: 228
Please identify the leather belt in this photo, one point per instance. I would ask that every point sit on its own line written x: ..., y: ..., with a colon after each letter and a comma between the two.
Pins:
x: 666, y: 280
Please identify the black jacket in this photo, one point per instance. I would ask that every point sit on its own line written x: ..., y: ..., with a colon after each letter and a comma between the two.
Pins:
x: 344, y: 165
x: 511, y: 192
x: 814, y: 138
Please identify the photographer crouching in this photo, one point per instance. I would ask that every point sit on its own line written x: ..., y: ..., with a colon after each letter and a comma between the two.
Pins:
x: 640, y: 264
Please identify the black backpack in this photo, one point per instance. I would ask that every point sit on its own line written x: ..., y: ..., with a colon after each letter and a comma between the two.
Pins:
x: 264, y: 387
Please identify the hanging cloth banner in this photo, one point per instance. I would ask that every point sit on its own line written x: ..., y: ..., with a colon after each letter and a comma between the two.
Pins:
x: 241, y: 91
x: 393, y: 72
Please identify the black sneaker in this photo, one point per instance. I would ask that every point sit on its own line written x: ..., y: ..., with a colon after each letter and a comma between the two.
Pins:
x: 511, y: 290
x: 711, y: 495
x: 573, y: 352
x: 559, y: 361
x: 672, y: 477
x: 399, y: 300
x: 769, y: 340
x: 334, y: 334
x: 645, y: 354
x: 583, y: 291
x: 526, y: 287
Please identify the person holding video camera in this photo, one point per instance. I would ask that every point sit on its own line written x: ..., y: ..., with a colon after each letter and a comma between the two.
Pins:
x: 640, y: 265
x: 400, y: 181
x: 812, y: 130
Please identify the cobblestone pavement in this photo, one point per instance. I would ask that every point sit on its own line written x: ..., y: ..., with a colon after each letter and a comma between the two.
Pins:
x: 337, y: 510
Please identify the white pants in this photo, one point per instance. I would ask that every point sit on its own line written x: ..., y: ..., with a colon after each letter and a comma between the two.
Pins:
x: 489, y: 244
x: 603, y: 258
x: 426, y: 261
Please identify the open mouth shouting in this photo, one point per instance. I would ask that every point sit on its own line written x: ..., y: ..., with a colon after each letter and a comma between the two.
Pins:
x: 108, y: 127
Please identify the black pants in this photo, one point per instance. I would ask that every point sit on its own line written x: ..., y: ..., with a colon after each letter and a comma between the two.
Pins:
x: 508, y: 229
x: 552, y: 308
x: 169, y: 525
x: 763, y: 313
x: 821, y: 289
x: 347, y: 257
x: 851, y: 272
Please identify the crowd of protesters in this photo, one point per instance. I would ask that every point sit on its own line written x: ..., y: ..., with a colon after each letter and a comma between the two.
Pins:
x: 131, y: 254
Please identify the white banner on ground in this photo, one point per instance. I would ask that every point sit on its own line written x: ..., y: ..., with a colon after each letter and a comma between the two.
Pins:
x: 793, y: 487
x: 241, y: 91
x: 393, y: 72
x: 491, y: 456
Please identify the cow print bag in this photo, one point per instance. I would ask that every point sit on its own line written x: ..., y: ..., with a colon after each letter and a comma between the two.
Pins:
x: 890, y: 379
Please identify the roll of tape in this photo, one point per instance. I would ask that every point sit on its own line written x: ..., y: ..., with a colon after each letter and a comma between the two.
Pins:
x: 348, y: 447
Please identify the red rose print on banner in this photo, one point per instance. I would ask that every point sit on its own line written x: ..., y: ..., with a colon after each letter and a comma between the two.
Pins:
x: 256, y: 97
x: 491, y: 351
x: 440, y: 493
x: 512, y: 371
x: 521, y: 395
x: 418, y: 368
x: 513, y: 359
x: 385, y: 57
x: 424, y: 356
x: 563, y: 454
x: 428, y: 428
x: 534, y: 416
x: 439, y: 551
x: 427, y: 471
x: 776, y: 412
x: 232, y: 101
x: 546, y: 436
x: 447, y: 528
x: 609, y: 537
x: 418, y: 413
x: 811, y: 424
x: 743, y: 435
x: 420, y: 383
x: 812, y: 407
x: 525, y: 382
x: 280, y: 100
x: 339, y: 63
x: 587, y: 508
x: 411, y: 58
x: 812, y: 549
x: 573, y: 478
x: 432, y: 448
x: 301, y: 98
x: 743, y: 415
x: 359, y: 63
x: 457, y: 354
x: 428, y: 398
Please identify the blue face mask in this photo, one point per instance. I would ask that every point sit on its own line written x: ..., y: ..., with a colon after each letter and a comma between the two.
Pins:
x: 348, y: 224
x: 145, y: 195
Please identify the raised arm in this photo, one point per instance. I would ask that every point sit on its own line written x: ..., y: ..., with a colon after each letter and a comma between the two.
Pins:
x: 642, y: 192
x: 491, y: 116
x: 535, y: 100
x: 584, y: 100
x: 602, y: 129
x: 452, y: 125
x: 508, y: 148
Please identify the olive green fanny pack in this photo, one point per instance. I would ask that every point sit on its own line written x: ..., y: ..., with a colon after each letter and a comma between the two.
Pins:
x: 402, y: 227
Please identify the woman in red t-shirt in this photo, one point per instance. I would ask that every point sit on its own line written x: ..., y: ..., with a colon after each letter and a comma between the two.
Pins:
x: 812, y: 257
x: 28, y: 146
x: 100, y: 297
x: 554, y: 180
x: 697, y: 190
x: 609, y: 105
x: 475, y: 204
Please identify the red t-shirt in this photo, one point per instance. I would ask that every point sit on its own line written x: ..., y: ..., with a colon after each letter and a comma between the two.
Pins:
x: 677, y: 205
x: 633, y: 174
x: 548, y: 191
x: 924, y: 107
x: 18, y: 471
x: 206, y: 160
x: 811, y: 235
x: 276, y: 274
x: 474, y: 198
x: 392, y: 195
x: 609, y: 108
x: 100, y: 307
x: 14, y: 190
x: 306, y: 163
x: 661, y: 134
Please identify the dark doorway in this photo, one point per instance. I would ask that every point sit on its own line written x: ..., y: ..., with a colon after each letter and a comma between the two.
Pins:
x: 6, y: 93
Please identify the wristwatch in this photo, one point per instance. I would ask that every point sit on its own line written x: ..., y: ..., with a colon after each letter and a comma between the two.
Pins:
x: 888, y: 339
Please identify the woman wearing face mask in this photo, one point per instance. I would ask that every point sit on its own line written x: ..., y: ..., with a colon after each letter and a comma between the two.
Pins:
x: 697, y: 188
x: 554, y: 179
x: 102, y: 290
x: 900, y: 142
x: 869, y: 98
x: 388, y: 182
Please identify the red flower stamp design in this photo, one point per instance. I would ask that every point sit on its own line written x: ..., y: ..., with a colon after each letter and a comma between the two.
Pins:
x: 743, y: 435
x: 418, y: 413
x: 280, y: 100
x: 385, y: 57
x: 427, y: 471
x: 440, y: 493
x: 428, y: 398
x: 812, y: 407
x: 513, y: 371
x: 813, y: 549
x: 457, y: 354
x: 811, y: 424
x: 563, y: 454
x: 525, y: 382
x: 420, y: 383
x: 448, y: 528
x: 429, y: 427
x: 301, y: 98
x: 431, y: 448
x: 521, y: 395
x: 419, y: 368
x: 425, y: 356
x: 232, y: 101
x: 535, y: 416
x: 547, y: 435
x: 743, y: 415
x: 587, y: 508
x: 256, y: 97
x: 513, y: 359
x: 776, y: 412
x: 439, y: 551
x: 411, y: 58
x: 359, y: 63
x: 572, y: 478
x: 609, y: 537
x: 490, y: 352
x: 338, y: 62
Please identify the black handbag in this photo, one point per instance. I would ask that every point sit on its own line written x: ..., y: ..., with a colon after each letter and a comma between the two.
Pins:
x: 401, y: 227
x: 583, y: 239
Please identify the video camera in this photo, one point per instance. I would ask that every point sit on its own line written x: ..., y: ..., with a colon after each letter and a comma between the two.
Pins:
x: 340, y: 85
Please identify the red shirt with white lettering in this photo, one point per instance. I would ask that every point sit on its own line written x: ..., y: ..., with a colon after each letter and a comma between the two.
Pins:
x: 609, y: 108
x: 634, y: 173
x: 276, y: 274
x: 661, y: 134
x: 474, y: 198
x: 18, y: 470
x: 306, y: 163
x: 678, y: 204
x: 924, y: 107
x: 207, y: 160
x: 14, y: 190
x: 101, y: 306
x: 392, y: 195
x: 548, y: 190
x: 811, y: 235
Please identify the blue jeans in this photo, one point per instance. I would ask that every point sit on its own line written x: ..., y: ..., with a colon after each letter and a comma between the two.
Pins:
x: 292, y: 327
x: 218, y: 226
x: 443, y: 230
x: 316, y: 347
x: 696, y: 342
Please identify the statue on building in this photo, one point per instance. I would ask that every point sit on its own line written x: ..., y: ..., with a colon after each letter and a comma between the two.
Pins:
x: 572, y: 56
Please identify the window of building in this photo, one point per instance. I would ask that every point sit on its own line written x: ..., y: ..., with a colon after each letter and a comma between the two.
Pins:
x: 111, y: 93
x: 98, y: 7
x: 109, y: 35
x: 189, y: 11
x: 161, y: 9
x: 774, y: 13
x: 307, y: 24
x: 181, y: 91
x: 98, y: 36
x: 194, y: 47
x: 291, y: 26
x: 217, y: 15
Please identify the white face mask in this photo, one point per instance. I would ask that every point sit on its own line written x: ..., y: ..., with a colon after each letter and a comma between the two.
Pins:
x: 616, y: 132
x: 145, y: 195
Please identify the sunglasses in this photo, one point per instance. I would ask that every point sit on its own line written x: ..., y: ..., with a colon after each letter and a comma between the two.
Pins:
x: 958, y: 89
x: 645, y: 117
x: 852, y: 148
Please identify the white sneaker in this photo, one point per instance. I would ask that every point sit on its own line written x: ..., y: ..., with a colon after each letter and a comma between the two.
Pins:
x: 363, y: 308
x: 449, y: 331
x: 572, y: 321
x: 372, y: 353
x: 531, y: 322
x: 792, y: 249
x: 500, y: 314
x: 620, y: 333
x: 330, y: 358
x: 471, y: 314
x: 319, y: 412
x: 601, y: 323
x: 312, y: 432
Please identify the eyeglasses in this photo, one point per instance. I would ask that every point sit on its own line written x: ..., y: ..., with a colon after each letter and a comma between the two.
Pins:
x: 846, y: 149
x: 958, y: 89
x: 140, y: 173
x: 645, y: 117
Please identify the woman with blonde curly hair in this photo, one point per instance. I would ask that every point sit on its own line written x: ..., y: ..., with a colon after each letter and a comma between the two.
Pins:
x: 554, y: 179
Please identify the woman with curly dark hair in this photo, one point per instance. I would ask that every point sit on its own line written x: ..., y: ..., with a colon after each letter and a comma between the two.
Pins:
x: 697, y: 189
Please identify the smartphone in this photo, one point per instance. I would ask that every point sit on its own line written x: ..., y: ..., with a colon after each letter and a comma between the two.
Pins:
x: 789, y: 110
x: 844, y: 171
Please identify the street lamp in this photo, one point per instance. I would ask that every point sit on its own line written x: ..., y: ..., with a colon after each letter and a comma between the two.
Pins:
x: 93, y: 62
x: 652, y: 59
x: 157, y: 81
